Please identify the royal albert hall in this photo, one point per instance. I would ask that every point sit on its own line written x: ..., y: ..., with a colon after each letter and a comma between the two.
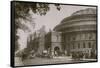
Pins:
x: 79, y: 31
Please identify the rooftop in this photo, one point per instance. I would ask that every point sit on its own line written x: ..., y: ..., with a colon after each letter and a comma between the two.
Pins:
x: 85, y: 11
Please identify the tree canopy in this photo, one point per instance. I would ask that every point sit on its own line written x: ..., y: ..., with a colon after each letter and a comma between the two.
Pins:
x: 22, y: 8
x: 22, y: 12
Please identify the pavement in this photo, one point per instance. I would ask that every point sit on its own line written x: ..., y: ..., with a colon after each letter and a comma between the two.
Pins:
x: 18, y: 61
x: 90, y: 59
x: 55, y: 60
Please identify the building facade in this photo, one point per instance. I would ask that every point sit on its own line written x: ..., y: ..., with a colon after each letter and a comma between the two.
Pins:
x: 36, y: 41
x: 75, y: 34
x: 53, y: 43
x: 41, y: 40
x: 79, y: 32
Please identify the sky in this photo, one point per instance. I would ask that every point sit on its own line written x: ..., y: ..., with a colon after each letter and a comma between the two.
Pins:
x: 50, y: 20
x: 54, y: 17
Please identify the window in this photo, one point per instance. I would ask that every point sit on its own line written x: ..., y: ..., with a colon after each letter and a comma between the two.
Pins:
x: 90, y: 36
x: 68, y: 38
x: 86, y: 36
x: 89, y: 44
x: 78, y: 45
x: 94, y: 36
x: 83, y: 45
x: 94, y: 45
x: 73, y: 46
x: 72, y: 38
x: 83, y: 36
x: 57, y: 37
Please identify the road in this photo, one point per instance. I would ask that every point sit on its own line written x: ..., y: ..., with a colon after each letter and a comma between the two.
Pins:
x: 40, y: 61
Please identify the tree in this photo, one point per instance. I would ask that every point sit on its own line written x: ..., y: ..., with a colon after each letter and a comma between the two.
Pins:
x: 22, y: 12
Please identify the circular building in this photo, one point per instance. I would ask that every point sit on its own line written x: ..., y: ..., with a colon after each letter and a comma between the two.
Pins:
x: 79, y: 32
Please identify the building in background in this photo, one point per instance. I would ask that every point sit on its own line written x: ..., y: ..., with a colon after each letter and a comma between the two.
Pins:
x: 79, y: 32
x: 75, y: 34
x: 53, y: 43
x: 41, y: 40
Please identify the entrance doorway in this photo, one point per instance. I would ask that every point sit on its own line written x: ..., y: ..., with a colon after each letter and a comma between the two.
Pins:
x: 56, y: 51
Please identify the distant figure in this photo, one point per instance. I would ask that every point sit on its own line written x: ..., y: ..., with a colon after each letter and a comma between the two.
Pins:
x: 65, y: 53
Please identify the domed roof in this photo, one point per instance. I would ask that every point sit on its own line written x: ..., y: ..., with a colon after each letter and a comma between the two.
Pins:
x: 81, y: 14
x: 85, y: 11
